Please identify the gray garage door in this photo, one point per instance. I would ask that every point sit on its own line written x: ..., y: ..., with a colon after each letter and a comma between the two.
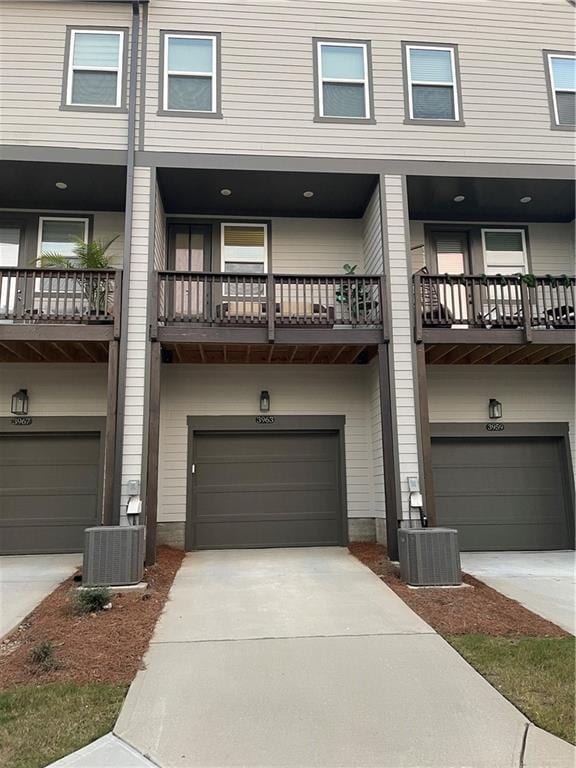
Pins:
x: 48, y: 491
x: 502, y: 493
x: 265, y: 490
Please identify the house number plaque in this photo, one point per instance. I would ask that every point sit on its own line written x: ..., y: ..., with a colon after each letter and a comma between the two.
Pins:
x: 495, y: 426
x: 265, y: 419
x: 21, y: 421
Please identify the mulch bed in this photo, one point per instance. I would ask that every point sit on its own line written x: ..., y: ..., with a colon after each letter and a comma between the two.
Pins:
x: 480, y: 610
x: 103, y: 647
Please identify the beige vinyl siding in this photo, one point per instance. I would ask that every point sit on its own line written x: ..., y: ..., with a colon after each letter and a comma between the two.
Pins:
x: 551, y: 245
x: 378, y: 496
x: 32, y: 63
x: 528, y: 393
x: 214, y: 390
x: 316, y: 246
x: 60, y: 389
x: 372, y: 236
x: 403, y: 383
x: 137, y: 330
x: 159, y: 232
x: 107, y: 226
x: 268, y: 88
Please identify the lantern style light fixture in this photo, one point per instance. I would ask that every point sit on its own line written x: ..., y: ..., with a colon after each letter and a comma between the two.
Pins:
x: 19, y: 405
x: 264, y: 401
x: 495, y: 409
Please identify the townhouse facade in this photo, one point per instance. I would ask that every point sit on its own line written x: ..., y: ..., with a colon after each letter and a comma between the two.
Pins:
x: 341, y: 271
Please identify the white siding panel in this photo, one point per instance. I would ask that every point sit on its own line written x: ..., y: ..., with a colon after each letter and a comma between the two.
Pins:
x: 268, y: 91
x: 216, y: 390
x: 32, y: 62
x: 372, y: 236
x: 316, y: 246
x: 528, y: 393
x: 159, y: 232
x: 56, y: 390
x: 107, y: 226
x: 136, y: 330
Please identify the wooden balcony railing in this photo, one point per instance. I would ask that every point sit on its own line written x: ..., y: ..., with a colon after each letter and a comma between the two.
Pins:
x: 210, y: 298
x: 500, y: 301
x: 68, y: 296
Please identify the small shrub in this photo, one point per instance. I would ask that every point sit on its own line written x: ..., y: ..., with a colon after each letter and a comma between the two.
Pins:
x: 92, y: 599
x: 42, y: 654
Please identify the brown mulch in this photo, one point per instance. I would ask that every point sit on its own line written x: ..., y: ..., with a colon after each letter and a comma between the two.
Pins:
x: 476, y: 610
x: 103, y: 647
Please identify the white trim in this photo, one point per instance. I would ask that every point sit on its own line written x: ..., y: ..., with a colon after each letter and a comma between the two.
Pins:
x: 553, y: 84
x: 42, y: 219
x: 213, y: 75
x: 264, y: 227
x: 504, y: 229
x: 72, y: 68
x: 453, y: 83
x: 321, y: 79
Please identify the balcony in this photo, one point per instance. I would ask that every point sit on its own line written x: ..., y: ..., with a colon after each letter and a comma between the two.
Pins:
x: 42, y: 310
x: 476, y: 310
x: 254, y: 309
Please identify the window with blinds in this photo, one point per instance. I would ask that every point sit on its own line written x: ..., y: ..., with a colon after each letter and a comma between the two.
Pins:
x: 343, y: 71
x: 244, y: 248
x: 190, y: 76
x: 451, y: 252
x: 58, y: 236
x: 95, y: 68
x: 432, y: 86
x: 504, y: 251
x: 562, y: 74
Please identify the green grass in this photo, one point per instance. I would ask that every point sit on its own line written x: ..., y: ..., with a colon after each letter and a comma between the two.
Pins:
x: 535, y: 673
x: 40, y: 724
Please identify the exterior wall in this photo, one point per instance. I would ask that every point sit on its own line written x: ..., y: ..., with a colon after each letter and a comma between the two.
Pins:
x: 59, y: 389
x: 107, y: 226
x: 378, y: 497
x: 316, y: 246
x: 529, y: 393
x: 268, y: 85
x: 215, y: 390
x: 401, y: 331
x: 137, y: 326
x: 372, y: 236
x: 551, y: 245
x: 160, y: 252
x: 32, y: 61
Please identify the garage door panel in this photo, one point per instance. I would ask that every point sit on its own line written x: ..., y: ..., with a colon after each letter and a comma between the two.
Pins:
x: 42, y: 539
x: 48, y: 477
x: 266, y: 489
x: 79, y: 507
x: 502, y: 493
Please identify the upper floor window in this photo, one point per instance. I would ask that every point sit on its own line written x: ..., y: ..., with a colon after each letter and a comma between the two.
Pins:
x: 58, y: 235
x: 432, y: 83
x: 561, y: 77
x: 244, y: 248
x: 343, y: 80
x: 94, y: 76
x: 190, y: 74
x: 504, y: 251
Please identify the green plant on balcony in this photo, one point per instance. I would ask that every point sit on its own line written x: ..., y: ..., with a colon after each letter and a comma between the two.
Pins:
x: 358, y: 298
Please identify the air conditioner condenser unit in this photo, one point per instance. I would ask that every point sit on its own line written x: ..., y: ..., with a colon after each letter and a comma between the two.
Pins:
x: 113, y: 555
x: 429, y: 557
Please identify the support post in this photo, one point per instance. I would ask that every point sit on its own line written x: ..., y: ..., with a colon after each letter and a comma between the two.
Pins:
x: 425, y: 440
x: 271, y: 307
x: 389, y: 453
x: 151, y: 502
x: 110, y: 438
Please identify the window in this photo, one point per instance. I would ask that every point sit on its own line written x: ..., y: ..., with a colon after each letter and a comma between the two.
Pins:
x: 504, y: 251
x: 561, y: 76
x: 56, y: 235
x: 95, y: 68
x: 343, y: 80
x: 244, y: 248
x: 189, y: 82
x: 432, y: 86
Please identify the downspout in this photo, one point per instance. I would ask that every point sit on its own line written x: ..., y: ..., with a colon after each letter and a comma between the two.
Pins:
x: 123, y: 346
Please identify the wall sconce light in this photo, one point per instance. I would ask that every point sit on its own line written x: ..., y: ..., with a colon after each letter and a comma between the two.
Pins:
x: 494, y: 409
x: 20, y: 401
x: 264, y: 401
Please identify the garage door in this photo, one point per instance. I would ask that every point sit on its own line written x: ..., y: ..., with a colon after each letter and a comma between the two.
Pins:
x: 502, y: 493
x: 48, y: 491
x: 265, y: 490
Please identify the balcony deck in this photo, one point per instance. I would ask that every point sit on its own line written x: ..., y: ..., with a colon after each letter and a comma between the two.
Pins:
x: 58, y: 315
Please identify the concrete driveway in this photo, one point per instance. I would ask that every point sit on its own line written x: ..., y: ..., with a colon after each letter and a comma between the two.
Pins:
x: 25, y: 580
x: 303, y: 657
x: 544, y: 582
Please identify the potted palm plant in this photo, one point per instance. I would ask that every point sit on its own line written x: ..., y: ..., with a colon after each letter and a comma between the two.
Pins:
x: 92, y: 256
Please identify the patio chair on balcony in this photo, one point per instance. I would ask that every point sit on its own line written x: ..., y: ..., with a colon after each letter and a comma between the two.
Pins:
x: 434, y: 312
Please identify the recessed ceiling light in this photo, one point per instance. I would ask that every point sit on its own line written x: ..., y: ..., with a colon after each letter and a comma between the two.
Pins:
x: 308, y: 193
x: 459, y: 198
x: 526, y: 199
x: 226, y: 192
x: 61, y: 185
